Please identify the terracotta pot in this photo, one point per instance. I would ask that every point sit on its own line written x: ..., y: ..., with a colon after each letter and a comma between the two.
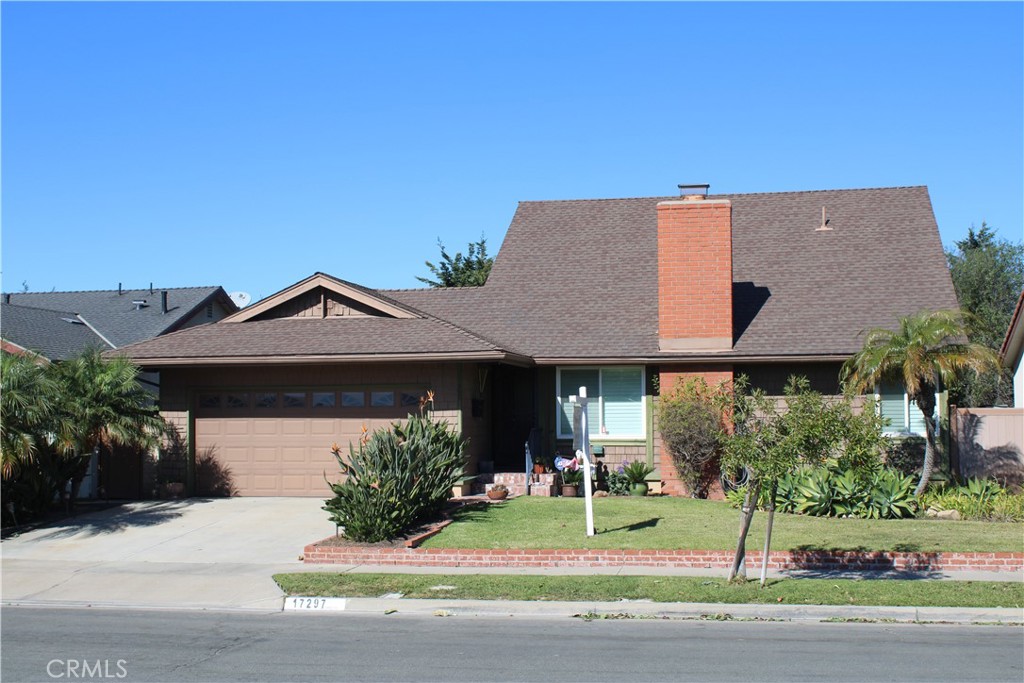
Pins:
x: 569, y: 491
x: 538, y: 468
x: 497, y: 495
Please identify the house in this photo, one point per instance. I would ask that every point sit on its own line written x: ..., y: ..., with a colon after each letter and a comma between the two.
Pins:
x: 988, y: 443
x: 1013, y: 349
x: 623, y: 296
x: 60, y: 325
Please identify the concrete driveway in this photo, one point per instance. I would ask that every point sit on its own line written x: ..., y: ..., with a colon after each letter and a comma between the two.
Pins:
x: 190, y: 553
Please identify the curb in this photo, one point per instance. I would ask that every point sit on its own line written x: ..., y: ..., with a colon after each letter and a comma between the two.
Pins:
x: 663, y: 610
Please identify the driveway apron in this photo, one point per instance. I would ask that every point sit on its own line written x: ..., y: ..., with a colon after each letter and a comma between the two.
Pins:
x: 198, y: 552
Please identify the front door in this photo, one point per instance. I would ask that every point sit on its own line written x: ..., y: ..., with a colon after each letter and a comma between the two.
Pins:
x: 515, y: 414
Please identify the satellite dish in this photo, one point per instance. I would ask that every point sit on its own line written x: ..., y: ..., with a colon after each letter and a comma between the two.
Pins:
x: 241, y: 299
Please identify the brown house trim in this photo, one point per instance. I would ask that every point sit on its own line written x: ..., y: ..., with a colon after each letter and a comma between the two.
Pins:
x: 510, y: 358
x: 706, y: 358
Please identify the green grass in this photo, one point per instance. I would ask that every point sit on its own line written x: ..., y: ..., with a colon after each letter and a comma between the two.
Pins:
x: 661, y: 523
x: 660, y: 589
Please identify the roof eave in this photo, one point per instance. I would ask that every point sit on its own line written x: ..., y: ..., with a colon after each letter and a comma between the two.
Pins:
x: 311, y: 359
x: 693, y: 358
x: 1010, y: 350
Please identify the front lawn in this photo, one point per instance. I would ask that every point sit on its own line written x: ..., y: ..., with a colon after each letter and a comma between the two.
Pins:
x: 658, y: 589
x: 682, y: 523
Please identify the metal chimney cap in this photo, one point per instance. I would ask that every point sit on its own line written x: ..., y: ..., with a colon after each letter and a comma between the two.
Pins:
x: 698, y: 191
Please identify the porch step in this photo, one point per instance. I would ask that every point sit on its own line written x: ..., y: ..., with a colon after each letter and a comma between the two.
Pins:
x: 518, y: 483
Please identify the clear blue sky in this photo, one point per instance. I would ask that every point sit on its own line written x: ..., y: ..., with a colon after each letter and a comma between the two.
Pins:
x: 250, y: 145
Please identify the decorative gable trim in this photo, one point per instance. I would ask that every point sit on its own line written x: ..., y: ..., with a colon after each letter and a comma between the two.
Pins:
x: 329, y: 284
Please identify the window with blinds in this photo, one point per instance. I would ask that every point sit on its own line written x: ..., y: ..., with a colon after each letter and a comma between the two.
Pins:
x: 903, y: 415
x: 615, y: 409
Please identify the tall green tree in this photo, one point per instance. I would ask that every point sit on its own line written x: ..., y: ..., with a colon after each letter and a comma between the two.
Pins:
x: 470, y: 270
x: 926, y: 352
x: 107, y: 406
x: 28, y: 394
x: 988, y: 274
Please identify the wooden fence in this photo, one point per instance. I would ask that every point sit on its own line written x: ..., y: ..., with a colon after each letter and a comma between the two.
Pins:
x: 988, y: 443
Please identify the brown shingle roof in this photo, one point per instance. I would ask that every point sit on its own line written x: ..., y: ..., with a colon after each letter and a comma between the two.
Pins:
x: 578, y: 280
x: 298, y: 337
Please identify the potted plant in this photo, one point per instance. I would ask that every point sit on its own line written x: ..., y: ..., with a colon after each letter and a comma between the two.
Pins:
x: 498, y: 492
x: 571, y: 480
x: 636, y: 472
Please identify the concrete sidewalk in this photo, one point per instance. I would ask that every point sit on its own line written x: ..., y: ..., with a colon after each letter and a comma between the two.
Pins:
x: 222, y: 554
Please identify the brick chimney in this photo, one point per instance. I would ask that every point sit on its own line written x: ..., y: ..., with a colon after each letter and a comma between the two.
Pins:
x: 695, y: 274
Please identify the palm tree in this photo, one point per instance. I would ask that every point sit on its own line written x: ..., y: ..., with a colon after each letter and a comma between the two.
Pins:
x: 107, y: 405
x: 27, y: 395
x: 926, y: 352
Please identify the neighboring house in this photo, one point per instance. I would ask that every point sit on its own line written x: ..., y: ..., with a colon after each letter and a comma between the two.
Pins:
x: 60, y: 325
x: 623, y: 296
x: 1013, y: 349
x: 989, y: 442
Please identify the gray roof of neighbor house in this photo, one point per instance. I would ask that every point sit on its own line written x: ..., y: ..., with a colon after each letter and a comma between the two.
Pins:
x: 117, y: 318
x: 57, y: 335
x: 577, y: 281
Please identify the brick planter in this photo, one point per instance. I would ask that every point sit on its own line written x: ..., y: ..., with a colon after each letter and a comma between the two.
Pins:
x: 703, y: 559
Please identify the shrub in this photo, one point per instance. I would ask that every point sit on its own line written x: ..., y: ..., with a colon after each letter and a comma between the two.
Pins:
x: 691, y: 430
x: 396, y: 478
x: 978, y: 499
x: 906, y: 455
x: 831, y: 492
x: 618, y: 484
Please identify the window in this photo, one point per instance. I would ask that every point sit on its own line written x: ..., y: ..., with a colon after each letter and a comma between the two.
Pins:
x: 903, y: 414
x: 323, y: 399
x: 266, y: 400
x: 615, y: 409
x: 293, y: 399
x: 408, y: 400
x: 353, y: 399
x: 209, y: 400
x: 382, y: 399
x: 237, y: 400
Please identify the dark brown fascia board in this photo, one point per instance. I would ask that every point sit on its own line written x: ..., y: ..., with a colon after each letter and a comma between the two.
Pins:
x: 683, y: 360
x: 489, y: 356
x: 310, y: 283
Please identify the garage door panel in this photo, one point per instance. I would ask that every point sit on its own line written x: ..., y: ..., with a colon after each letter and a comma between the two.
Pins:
x: 292, y: 454
x: 323, y: 427
x: 294, y: 427
x: 266, y: 426
x: 237, y: 427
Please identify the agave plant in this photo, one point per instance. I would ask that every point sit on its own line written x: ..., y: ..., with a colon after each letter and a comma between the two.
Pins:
x: 892, y: 496
x: 851, y: 494
x: 814, y: 494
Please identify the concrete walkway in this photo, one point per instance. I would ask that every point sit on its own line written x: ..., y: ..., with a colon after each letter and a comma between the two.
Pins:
x: 222, y: 553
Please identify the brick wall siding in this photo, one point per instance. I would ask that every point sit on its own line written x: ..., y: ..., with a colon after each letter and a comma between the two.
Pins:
x: 695, y: 270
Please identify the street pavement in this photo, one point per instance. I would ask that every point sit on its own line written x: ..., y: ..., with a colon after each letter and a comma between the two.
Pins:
x: 43, y: 644
x: 221, y: 554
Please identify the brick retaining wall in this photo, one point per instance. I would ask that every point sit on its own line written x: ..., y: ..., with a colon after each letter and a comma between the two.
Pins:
x: 706, y: 559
